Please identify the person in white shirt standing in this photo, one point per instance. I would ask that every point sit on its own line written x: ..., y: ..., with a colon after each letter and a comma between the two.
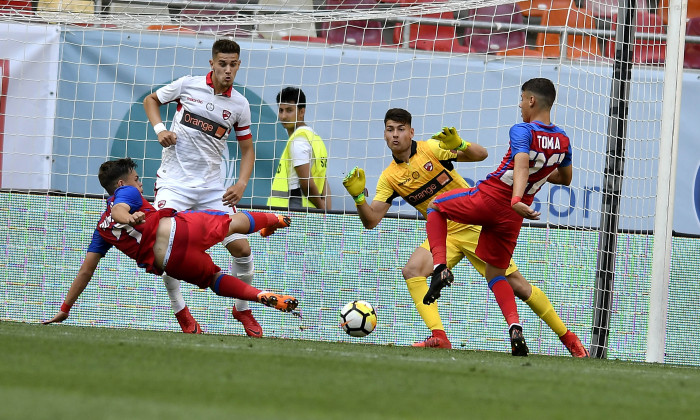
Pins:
x: 189, y: 177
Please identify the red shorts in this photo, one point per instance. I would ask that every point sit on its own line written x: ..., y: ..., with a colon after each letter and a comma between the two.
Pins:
x: 500, y: 224
x: 195, y: 232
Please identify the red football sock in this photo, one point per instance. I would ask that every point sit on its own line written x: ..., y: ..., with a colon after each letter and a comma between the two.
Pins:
x: 505, y: 298
x: 436, y: 227
x: 260, y: 220
x: 230, y: 286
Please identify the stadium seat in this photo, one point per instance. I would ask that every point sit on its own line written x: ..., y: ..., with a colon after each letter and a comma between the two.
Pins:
x: 539, y: 7
x: 285, y: 30
x: 646, y: 51
x: 607, y: 9
x: 429, y: 37
x: 487, y: 40
x: 577, y: 46
x: 196, y: 19
x: 549, y: 43
x: 73, y: 6
x: 307, y: 39
x: 170, y: 28
x: 693, y: 10
x: 355, y: 32
x: 692, y: 51
x: 14, y: 7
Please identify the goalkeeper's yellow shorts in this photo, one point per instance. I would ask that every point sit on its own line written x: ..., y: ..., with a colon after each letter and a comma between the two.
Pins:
x: 461, y: 242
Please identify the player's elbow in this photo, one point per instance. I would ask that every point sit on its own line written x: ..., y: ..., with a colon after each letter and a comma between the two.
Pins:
x: 369, y: 225
x: 151, y: 99
x: 481, y: 154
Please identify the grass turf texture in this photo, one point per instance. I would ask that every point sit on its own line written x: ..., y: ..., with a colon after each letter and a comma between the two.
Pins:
x: 60, y: 371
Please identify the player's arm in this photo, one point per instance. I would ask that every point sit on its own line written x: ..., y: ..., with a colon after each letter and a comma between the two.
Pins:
x: 561, y: 175
x: 151, y: 104
x: 564, y: 172
x: 473, y: 153
x: 308, y: 186
x: 87, y: 270
x: 120, y: 214
x: 520, y: 175
x: 234, y: 193
x: 370, y: 214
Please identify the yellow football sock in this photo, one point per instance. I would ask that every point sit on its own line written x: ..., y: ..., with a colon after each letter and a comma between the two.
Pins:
x: 418, y: 287
x: 540, y: 304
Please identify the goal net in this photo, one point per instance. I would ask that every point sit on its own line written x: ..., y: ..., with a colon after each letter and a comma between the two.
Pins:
x: 75, y: 74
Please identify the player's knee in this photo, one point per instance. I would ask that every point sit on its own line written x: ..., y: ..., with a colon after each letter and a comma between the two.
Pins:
x: 411, y: 270
x: 237, y: 247
x: 521, y: 287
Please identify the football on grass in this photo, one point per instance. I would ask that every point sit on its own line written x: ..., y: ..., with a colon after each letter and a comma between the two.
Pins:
x: 358, y: 318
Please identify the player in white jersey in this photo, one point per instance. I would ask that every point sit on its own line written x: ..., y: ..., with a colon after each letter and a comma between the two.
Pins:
x: 209, y: 110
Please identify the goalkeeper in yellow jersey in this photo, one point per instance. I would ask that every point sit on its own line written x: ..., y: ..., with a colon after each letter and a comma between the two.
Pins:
x: 421, y: 170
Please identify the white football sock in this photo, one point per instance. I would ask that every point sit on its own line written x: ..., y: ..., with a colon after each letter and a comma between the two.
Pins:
x: 173, y: 287
x: 244, y: 271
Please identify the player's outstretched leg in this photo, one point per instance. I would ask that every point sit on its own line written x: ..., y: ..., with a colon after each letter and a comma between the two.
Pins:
x: 442, y: 276
x: 573, y: 344
x: 517, y: 341
x: 283, y: 222
x: 282, y: 303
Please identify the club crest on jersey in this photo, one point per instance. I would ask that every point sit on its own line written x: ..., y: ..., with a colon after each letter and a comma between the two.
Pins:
x: 428, y: 166
x: 161, y: 204
x: 226, y: 114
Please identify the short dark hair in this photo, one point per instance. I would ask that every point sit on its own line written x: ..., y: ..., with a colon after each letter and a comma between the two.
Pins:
x: 543, y: 89
x: 112, y: 171
x: 225, y: 46
x: 292, y: 95
x: 399, y: 115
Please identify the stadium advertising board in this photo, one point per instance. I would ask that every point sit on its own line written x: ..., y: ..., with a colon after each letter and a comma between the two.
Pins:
x: 29, y: 66
x: 363, y: 85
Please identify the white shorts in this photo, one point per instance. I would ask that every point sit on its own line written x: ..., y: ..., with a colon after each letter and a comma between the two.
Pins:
x: 183, y: 198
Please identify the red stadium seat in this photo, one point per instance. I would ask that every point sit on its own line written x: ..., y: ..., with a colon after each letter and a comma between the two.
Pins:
x: 301, y: 38
x: 429, y: 37
x: 692, y: 51
x: 355, y: 32
x: 22, y: 7
x: 540, y: 7
x: 645, y: 51
x: 486, y: 40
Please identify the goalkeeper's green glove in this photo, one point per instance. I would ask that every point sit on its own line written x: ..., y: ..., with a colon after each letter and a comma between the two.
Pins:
x: 354, y: 182
x: 450, y: 140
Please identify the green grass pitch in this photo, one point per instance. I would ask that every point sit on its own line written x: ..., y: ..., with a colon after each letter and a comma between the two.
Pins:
x: 65, y: 372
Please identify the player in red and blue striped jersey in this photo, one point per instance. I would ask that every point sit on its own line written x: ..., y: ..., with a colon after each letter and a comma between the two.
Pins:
x: 166, y: 241
x: 539, y: 152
